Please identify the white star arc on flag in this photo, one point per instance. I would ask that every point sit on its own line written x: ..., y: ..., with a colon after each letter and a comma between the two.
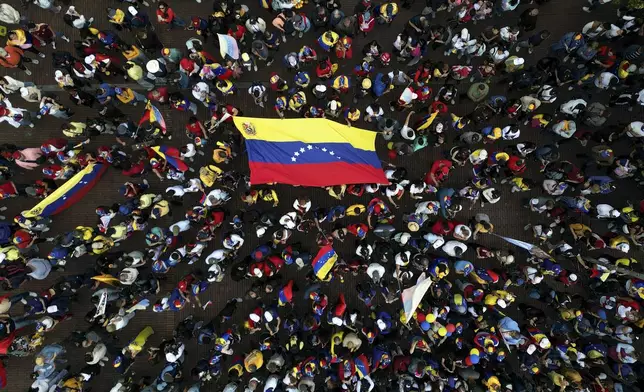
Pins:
x: 302, y: 151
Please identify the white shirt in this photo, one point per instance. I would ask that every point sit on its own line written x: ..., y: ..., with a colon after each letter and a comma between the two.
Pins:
x: 450, y: 247
x: 394, y: 192
x: 218, y: 194
x: 510, y: 133
x: 40, y: 268
x: 194, y: 185
x: 635, y: 129
x: 176, y: 190
x: 375, y: 267
x: 200, y: 91
x: 174, y: 357
x: 604, y: 210
x: 640, y: 97
x: 271, y: 383
x: 12, y: 85
x: 415, y: 189
x: 463, y: 231
x: 302, y: 207
x: 603, y: 80
x: 498, y: 55
x: 191, y: 151
x: 370, y: 111
x: 182, y: 225
x: 398, y: 77
x: 216, y: 256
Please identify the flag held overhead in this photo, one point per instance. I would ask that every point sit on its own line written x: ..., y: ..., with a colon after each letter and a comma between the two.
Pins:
x: 309, y: 152
x: 324, y: 262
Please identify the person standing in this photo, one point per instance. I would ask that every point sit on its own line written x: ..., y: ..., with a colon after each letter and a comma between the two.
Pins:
x: 528, y: 19
x: 478, y: 91
x: 13, y: 57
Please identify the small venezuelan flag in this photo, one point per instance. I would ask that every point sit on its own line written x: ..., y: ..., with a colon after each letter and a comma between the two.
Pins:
x: 153, y: 115
x: 324, y: 262
x: 309, y: 152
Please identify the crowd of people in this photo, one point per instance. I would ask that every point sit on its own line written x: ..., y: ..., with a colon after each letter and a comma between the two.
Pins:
x: 560, y: 313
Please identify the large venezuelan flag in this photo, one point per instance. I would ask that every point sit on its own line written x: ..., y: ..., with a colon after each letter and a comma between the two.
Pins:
x: 70, y: 192
x: 311, y: 152
x: 324, y: 262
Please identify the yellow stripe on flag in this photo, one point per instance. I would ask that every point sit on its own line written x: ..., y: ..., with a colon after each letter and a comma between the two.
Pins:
x: 306, y: 130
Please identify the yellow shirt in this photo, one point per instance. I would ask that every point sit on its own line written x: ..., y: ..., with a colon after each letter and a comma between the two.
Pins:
x: 135, y: 72
x: 161, y: 209
x: 355, y: 210
x: 132, y: 53
x: 256, y: 359
x: 146, y: 200
x: 126, y: 96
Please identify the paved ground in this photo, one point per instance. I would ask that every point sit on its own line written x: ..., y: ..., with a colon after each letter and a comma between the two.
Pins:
x: 508, y: 216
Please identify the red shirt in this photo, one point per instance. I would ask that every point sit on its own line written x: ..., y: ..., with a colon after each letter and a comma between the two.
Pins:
x: 443, y: 227
x: 195, y: 129
x: 187, y: 65
x: 160, y: 95
x: 165, y: 17
x: 22, y: 239
x: 512, y: 165
x: 8, y: 190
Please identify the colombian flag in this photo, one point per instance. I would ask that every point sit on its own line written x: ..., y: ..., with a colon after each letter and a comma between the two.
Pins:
x: 70, y: 192
x: 310, y: 152
x: 153, y: 115
x: 324, y: 261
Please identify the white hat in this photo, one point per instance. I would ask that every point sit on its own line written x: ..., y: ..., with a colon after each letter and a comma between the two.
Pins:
x: 404, y: 238
x: 333, y: 105
x: 544, y: 343
x: 90, y: 59
x: 623, y: 247
x: 268, y: 316
x: 502, y: 303
x: 381, y: 324
x: 518, y: 61
x: 132, y: 10
x: 572, y: 277
x: 438, y: 243
x: 254, y: 317
x: 152, y: 66
x: 615, y: 213
x: 260, y: 231
x: 414, y: 96
x: 58, y: 73
x: 336, y: 321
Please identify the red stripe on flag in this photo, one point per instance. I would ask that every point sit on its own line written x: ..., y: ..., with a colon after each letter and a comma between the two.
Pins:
x: 315, y: 174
